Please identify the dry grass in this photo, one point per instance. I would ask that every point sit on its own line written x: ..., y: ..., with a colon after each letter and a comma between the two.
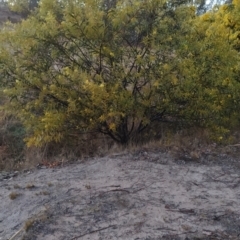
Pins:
x: 28, y: 224
x: 30, y: 186
x: 192, y: 142
x: 12, y: 147
x: 172, y: 138
x: 44, y: 193
x: 13, y: 195
x: 15, y: 156
x: 11, y: 140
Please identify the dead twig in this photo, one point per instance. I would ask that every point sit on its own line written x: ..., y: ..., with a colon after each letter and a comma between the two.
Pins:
x: 15, y: 234
x: 114, y: 190
x: 165, y: 229
x: 183, y: 233
x: 234, y: 145
x: 118, y: 190
x: 183, y: 177
x: 94, y: 231
x: 111, y: 186
x: 184, y: 211
x: 138, y: 190
x: 218, y: 176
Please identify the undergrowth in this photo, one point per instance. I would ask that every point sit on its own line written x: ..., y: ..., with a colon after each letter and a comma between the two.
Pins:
x: 14, y: 155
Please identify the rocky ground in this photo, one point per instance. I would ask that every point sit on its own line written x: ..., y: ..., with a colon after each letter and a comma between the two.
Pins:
x: 145, y: 195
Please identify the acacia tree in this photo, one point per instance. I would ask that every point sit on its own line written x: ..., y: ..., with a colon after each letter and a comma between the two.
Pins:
x: 222, y: 25
x: 77, y: 66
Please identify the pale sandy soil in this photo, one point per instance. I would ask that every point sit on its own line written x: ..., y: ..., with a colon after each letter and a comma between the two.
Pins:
x: 146, y: 195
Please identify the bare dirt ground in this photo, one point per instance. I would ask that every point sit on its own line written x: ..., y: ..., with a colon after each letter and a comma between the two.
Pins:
x: 145, y: 195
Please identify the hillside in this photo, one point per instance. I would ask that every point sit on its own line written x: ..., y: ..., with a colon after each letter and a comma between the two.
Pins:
x: 7, y: 15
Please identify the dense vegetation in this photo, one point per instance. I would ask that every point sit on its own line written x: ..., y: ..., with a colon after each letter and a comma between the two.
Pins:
x: 117, y: 67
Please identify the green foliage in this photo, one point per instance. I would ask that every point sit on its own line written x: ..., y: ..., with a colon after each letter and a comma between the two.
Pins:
x: 116, y: 67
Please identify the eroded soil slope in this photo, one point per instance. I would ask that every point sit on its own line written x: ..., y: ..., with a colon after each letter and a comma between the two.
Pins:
x: 146, y: 195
